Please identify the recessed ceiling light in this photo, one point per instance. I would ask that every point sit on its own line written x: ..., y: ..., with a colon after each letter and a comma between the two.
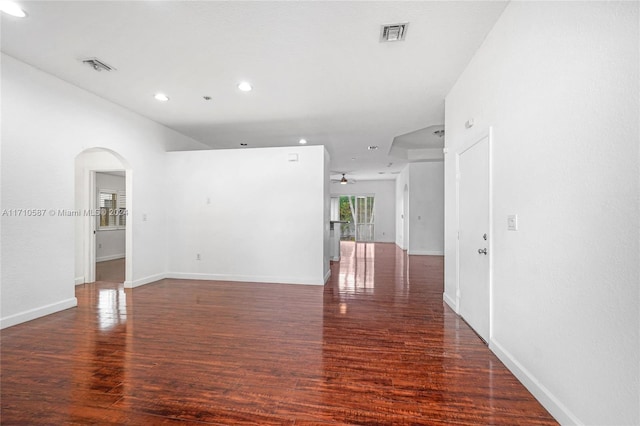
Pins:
x: 11, y: 8
x: 245, y: 86
x: 302, y: 141
x: 161, y: 97
x: 372, y: 147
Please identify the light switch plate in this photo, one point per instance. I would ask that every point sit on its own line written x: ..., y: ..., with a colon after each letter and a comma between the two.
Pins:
x: 512, y: 222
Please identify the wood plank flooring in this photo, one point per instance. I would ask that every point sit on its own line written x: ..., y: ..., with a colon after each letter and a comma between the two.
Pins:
x: 112, y: 271
x: 374, y: 346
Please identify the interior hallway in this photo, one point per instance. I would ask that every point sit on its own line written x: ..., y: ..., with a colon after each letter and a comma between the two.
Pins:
x: 112, y: 271
x: 375, y: 345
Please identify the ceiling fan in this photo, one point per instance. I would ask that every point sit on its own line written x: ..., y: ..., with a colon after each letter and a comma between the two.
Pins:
x: 343, y: 180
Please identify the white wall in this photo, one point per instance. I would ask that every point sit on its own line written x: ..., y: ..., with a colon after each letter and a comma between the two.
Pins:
x: 326, y: 241
x: 383, y: 207
x: 425, y: 209
x: 251, y: 214
x: 110, y: 244
x: 46, y: 123
x: 559, y: 83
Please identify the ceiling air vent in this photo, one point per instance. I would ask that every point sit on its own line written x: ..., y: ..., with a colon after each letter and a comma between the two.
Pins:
x: 97, y: 64
x: 393, y: 32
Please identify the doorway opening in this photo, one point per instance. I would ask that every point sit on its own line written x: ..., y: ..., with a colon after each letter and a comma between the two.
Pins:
x: 110, y: 248
x: 103, y: 237
x: 358, y: 211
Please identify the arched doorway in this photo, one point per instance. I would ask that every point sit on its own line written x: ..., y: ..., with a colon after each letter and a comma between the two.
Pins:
x: 91, y: 165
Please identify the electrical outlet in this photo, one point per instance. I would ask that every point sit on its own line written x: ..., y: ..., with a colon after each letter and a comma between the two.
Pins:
x: 198, y: 256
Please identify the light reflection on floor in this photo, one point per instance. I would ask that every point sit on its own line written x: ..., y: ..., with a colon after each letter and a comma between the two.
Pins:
x: 112, y: 307
x: 357, y: 267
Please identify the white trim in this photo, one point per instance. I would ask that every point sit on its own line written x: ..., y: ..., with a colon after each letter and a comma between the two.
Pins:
x: 110, y: 257
x: 89, y: 227
x: 245, y: 278
x: 426, y: 252
x: 35, y: 313
x: 327, y: 276
x: 491, y: 233
x: 451, y: 302
x: 144, y: 280
x: 548, y: 400
x: 79, y: 280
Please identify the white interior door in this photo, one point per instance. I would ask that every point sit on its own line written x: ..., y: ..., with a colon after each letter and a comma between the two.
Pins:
x: 473, y: 245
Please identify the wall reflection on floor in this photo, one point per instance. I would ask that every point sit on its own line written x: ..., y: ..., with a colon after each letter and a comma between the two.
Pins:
x: 357, y: 267
x: 99, y: 375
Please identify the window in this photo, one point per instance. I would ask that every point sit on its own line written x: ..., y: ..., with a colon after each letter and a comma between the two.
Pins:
x: 359, y: 212
x: 113, y: 209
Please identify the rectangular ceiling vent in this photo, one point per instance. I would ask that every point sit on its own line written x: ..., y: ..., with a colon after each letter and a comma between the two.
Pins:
x: 393, y: 32
x: 97, y: 64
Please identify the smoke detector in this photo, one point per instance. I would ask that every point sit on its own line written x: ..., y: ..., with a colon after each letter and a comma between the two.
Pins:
x: 97, y: 64
x: 393, y: 32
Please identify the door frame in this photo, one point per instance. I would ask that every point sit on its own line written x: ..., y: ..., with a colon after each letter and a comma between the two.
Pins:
x: 477, y: 138
x: 89, y: 226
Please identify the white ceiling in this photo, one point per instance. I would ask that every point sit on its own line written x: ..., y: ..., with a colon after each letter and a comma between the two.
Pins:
x: 318, y: 69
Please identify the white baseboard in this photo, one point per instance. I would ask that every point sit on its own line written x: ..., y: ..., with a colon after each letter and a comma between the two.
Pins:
x: 79, y: 280
x: 110, y: 257
x: 146, y: 280
x: 541, y: 393
x: 451, y: 302
x: 42, y: 311
x: 245, y: 278
x: 426, y: 252
x: 327, y: 276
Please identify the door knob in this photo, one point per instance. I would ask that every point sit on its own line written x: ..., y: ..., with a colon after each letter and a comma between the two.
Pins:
x: 482, y: 251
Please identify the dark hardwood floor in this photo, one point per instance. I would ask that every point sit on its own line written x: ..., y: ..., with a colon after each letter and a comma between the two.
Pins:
x: 374, y: 346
